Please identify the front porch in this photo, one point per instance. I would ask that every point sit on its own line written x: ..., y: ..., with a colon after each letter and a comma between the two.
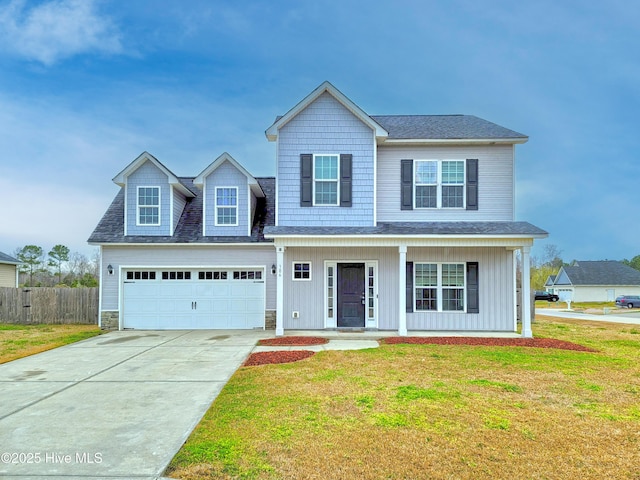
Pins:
x: 463, y: 285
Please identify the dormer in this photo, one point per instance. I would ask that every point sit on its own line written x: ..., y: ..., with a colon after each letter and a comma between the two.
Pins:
x: 230, y: 194
x: 154, y: 197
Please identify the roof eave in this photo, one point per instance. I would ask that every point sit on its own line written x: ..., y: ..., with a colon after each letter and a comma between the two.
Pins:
x: 405, y: 236
x: 179, y: 244
x: 448, y: 141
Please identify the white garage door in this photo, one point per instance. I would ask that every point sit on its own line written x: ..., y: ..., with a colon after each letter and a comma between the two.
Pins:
x: 157, y: 299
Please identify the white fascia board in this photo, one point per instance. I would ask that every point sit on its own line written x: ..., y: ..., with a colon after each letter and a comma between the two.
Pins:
x: 272, y: 131
x: 184, y: 245
x: 449, y: 141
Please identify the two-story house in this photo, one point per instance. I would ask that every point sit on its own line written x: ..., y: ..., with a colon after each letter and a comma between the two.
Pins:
x: 395, y: 222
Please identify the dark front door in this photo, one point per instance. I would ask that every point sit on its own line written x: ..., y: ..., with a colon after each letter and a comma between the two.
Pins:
x: 351, y: 295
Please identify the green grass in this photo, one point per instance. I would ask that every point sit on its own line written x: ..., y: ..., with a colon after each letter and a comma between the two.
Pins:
x: 17, y: 341
x: 431, y: 411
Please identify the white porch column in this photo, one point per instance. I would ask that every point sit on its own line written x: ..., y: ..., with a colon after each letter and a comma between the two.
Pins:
x: 279, y: 291
x: 526, y: 293
x: 402, y: 291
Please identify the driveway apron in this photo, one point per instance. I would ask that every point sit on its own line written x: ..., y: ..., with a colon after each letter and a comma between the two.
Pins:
x: 115, y: 406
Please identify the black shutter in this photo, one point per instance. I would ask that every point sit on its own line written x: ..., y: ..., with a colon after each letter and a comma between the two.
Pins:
x: 472, y: 184
x: 346, y: 181
x: 406, y: 184
x: 306, y: 180
x: 473, y: 294
x: 409, y: 289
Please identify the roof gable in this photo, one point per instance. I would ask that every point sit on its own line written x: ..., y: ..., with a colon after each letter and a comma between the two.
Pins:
x: 121, y: 178
x: 272, y: 131
x: 225, y: 157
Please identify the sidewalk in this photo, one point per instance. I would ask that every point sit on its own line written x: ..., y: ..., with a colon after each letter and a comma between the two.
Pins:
x: 613, y: 317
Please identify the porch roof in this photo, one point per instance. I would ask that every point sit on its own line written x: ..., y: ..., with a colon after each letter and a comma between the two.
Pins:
x: 414, y: 229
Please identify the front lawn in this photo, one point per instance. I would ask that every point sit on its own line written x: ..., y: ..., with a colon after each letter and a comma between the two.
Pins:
x: 432, y: 411
x: 17, y: 341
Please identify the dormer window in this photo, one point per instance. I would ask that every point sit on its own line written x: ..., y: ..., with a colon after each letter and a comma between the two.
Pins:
x: 149, y: 206
x: 227, y: 206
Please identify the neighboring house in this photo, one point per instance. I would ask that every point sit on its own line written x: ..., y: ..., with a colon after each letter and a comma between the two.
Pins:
x: 395, y: 222
x: 548, y: 285
x: 8, y: 271
x: 596, y: 281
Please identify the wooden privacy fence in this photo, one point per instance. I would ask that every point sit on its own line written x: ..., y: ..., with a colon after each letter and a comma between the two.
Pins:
x: 48, y: 305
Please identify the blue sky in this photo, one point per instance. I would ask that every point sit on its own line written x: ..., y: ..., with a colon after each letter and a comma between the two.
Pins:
x: 87, y: 85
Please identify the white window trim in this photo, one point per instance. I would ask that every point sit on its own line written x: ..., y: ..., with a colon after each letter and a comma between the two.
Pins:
x: 215, y: 203
x: 439, y: 183
x: 293, y: 271
x: 138, y: 206
x: 439, y: 287
x: 337, y: 180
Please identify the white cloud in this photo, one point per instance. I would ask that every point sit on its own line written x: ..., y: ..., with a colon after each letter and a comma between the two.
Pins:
x: 56, y: 30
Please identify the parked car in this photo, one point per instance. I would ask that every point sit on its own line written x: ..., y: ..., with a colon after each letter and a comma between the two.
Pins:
x: 628, y: 301
x: 549, y: 297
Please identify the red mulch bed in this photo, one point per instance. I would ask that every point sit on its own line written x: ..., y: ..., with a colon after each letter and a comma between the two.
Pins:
x: 490, y: 342
x: 293, y: 341
x: 281, y: 356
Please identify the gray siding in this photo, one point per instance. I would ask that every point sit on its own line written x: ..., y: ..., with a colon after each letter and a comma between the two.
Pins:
x: 179, y: 201
x: 325, y: 126
x: 148, y: 175
x: 223, y: 255
x: 496, y: 287
x: 226, y: 175
x: 307, y: 297
x: 495, y: 183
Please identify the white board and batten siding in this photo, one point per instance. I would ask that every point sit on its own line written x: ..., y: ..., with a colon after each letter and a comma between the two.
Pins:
x: 496, y: 287
x: 495, y: 183
x: 496, y: 284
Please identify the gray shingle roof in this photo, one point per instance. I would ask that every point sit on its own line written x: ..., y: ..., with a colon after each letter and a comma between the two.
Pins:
x: 603, y: 272
x: 418, y: 228
x: 110, y: 229
x: 435, y: 127
x: 4, y: 258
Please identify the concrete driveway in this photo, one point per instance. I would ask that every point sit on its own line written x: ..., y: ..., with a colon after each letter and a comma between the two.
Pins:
x: 115, y: 406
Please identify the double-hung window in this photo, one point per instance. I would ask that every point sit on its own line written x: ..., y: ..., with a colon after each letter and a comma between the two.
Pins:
x: 439, y: 183
x: 325, y: 180
x: 227, y: 206
x: 426, y: 286
x: 439, y: 287
x: 149, y: 206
